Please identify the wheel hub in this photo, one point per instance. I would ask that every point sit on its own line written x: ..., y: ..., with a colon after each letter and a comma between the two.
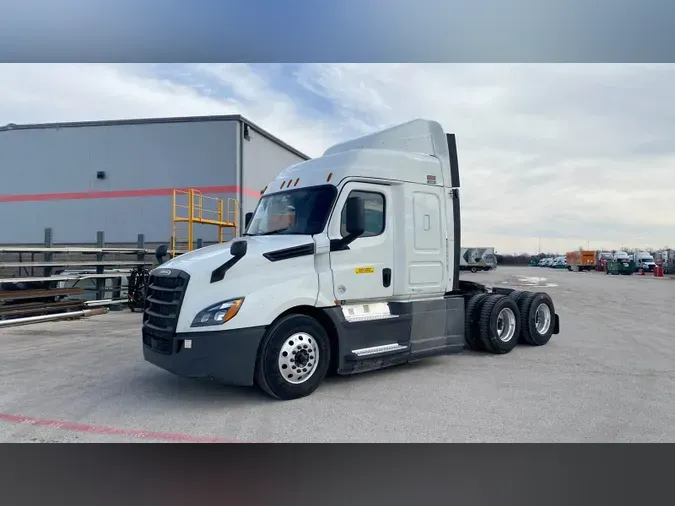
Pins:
x: 298, y: 358
x: 506, y: 325
x: 542, y: 318
x: 302, y: 358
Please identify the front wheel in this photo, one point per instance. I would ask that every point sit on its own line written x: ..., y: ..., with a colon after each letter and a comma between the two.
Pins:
x: 293, y: 358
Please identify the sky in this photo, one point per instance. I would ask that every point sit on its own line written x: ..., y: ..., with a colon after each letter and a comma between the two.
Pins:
x: 557, y: 156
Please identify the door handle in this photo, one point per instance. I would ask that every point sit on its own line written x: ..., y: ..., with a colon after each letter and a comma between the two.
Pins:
x: 386, y: 277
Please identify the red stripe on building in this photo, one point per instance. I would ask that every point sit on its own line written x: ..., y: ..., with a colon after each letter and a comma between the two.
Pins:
x: 110, y: 431
x: 123, y: 194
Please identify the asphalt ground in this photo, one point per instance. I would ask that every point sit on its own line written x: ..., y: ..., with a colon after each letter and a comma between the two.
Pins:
x: 608, y: 376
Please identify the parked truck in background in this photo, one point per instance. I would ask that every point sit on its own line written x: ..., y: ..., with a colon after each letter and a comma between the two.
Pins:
x: 477, y: 259
x: 558, y: 262
x: 645, y: 261
x: 603, y: 258
x: 546, y: 262
x: 666, y: 259
x: 581, y: 260
x: 366, y: 277
x: 622, y: 256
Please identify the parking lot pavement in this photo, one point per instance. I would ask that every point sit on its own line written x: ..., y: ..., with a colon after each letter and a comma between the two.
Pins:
x: 609, y: 376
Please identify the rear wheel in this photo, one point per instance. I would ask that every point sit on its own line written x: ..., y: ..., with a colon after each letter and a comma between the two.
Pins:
x: 537, y: 319
x: 471, y: 321
x: 499, y: 324
x: 517, y: 296
x: 474, y: 270
x: 294, y: 358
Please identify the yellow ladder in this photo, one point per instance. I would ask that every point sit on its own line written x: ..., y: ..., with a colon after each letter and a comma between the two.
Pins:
x: 224, y: 215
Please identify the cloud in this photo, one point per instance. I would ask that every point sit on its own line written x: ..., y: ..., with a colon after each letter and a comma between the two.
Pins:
x: 568, y: 153
x: 573, y: 153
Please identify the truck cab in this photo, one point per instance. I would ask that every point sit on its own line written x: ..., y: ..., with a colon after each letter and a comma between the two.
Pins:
x: 558, y: 262
x: 645, y: 261
x: 622, y: 256
x: 350, y: 262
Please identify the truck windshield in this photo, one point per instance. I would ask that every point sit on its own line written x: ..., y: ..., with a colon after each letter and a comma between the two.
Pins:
x: 297, y: 212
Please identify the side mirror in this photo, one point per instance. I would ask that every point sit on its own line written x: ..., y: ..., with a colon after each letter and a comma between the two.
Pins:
x: 238, y: 249
x: 247, y: 219
x: 161, y: 252
x: 356, y: 217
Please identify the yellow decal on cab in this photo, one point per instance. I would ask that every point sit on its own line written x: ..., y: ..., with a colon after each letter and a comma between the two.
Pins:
x: 364, y: 270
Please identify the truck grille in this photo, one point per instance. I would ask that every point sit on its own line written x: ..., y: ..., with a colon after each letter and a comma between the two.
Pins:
x: 163, y: 301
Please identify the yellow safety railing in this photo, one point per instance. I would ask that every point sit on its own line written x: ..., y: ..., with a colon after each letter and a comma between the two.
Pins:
x: 224, y: 214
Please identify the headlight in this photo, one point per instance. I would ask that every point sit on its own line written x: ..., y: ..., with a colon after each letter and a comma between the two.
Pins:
x: 218, y: 313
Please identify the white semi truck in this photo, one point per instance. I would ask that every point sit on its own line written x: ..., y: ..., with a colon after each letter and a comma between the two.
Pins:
x: 645, y: 261
x: 349, y: 263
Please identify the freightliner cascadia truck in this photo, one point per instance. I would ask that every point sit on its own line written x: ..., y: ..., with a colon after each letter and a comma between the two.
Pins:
x: 349, y: 263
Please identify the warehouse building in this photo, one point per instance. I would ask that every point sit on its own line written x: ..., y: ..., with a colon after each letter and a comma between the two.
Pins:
x: 119, y: 176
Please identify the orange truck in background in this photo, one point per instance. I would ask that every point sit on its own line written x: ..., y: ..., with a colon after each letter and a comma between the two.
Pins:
x: 583, y: 260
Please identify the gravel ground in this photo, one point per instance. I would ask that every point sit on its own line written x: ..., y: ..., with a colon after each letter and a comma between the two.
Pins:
x: 609, y: 376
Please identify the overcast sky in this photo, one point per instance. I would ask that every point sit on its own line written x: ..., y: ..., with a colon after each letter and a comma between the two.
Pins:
x: 577, y: 155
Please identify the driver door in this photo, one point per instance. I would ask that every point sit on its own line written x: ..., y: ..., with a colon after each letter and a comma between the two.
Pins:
x: 364, y: 271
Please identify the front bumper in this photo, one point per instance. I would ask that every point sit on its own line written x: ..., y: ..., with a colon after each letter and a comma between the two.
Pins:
x: 228, y: 356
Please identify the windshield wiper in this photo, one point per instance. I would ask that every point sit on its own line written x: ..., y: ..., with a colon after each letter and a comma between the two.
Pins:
x: 277, y: 231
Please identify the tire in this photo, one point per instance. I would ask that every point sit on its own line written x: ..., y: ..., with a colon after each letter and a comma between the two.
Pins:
x: 471, y: 336
x: 293, y: 335
x: 499, y: 324
x: 517, y: 296
x: 474, y: 270
x: 531, y: 333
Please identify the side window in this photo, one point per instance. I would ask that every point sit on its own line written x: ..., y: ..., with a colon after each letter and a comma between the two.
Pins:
x: 375, y: 213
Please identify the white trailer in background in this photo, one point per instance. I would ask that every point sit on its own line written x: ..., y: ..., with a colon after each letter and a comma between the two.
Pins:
x: 477, y: 259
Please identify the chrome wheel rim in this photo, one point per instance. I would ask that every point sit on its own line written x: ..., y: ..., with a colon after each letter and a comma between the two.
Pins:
x: 542, y: 318
x: 298, y: 358
x: 506, y: 325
